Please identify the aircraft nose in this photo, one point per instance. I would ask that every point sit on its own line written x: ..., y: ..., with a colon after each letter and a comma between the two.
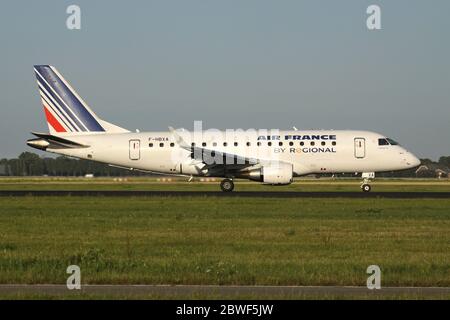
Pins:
x: 416, y: 161
x: 412, y: 161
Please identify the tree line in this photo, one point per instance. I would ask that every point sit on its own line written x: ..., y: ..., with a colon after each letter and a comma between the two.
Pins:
x: 31, y: 164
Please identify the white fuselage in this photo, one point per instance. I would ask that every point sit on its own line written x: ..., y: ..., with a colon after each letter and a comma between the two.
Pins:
x: 312, y: 151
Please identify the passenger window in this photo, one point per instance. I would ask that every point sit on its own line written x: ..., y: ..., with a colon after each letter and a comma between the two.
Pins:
x: 280, y: 143
x: 204, y: 144
x: 193, y: 144
x: 302, y: 143
x: 323, y: 143
x: 291, y: 143
x: 214, y: 144
x: 248, y: 144
x: 172, y: 144
x: 383, y: 142
x: 150, y: 145
x: 313, y: 143
x: 225, y: 144
x: 269, y: 143
x: 161, y: 144
x: 333, y: 143
x: 258, y: 144
x: 235, y: 144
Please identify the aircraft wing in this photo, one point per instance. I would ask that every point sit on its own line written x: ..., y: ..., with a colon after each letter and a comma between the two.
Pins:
x: 215, y: 161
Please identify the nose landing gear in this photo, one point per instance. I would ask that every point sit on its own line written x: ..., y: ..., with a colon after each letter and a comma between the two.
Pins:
x: 227, y: 185
x: 365, y: 186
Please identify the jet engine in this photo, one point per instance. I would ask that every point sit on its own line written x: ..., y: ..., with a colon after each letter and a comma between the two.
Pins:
x: 273, y: 173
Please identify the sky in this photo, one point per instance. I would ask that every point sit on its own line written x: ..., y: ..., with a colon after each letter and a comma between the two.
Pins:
x: 246, y: 64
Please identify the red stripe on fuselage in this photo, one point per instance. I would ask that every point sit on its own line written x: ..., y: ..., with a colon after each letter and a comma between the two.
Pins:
x: 53, y: 122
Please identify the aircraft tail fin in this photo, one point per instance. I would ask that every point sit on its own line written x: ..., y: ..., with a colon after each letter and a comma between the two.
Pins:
x: 64, y: 109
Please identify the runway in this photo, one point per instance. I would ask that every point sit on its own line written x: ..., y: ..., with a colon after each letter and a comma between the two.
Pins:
x: 180, y: 290
x: 247, y: 194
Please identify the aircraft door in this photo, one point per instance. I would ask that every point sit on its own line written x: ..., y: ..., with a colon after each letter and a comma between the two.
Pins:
x: 360, y: 148
x: 135, y: 149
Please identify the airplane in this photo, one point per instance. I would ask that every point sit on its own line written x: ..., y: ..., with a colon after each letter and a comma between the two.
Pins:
x: 271, y: 157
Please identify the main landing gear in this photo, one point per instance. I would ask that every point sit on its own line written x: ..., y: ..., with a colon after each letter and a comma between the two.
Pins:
x: 365, y: 186
x: 227, y: 185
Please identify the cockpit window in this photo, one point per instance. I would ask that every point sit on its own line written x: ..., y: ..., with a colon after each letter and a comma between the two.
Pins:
x: 392, y: 142
x: 383, y: 142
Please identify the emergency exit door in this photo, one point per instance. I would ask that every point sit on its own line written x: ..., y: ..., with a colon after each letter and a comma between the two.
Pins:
x: 360, y: 148
x: 135, y: 149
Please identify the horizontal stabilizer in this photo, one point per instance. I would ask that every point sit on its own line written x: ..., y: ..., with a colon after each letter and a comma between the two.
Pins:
x: 48, y: 141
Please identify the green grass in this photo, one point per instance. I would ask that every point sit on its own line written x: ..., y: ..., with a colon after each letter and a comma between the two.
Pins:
x: 70, y: 295
x: 308, y: 184
x: 206, y: 240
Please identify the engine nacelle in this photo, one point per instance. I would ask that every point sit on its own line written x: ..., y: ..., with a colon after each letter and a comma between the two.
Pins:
x: 277, y: 173
x: 280, y: 173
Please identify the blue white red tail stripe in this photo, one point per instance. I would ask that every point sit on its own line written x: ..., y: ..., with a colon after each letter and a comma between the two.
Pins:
x: 59, y: 102
x: 59, y: 113
x: 66, y: 109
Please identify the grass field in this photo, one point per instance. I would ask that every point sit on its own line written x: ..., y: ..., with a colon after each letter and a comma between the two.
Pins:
x: 145, y: 183
x: 207, y: 240
x: 81, y: 296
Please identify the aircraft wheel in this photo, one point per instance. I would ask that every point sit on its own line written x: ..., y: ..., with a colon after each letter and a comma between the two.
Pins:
x: 366, y: 187
x: 227, y: 185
